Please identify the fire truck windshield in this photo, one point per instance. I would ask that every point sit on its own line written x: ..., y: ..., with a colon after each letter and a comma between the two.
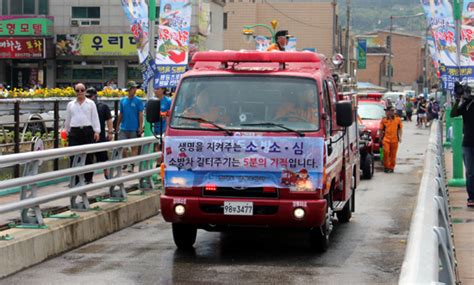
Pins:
x: 243, y: 102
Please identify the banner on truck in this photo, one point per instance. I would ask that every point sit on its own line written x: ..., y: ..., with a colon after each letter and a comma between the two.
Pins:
x: 295, y: 163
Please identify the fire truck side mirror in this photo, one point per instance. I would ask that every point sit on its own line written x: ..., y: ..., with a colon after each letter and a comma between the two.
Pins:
x: 344, y: 113
x: 153, y: 111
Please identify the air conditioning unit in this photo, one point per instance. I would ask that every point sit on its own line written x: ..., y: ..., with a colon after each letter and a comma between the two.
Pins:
x: 85, y: 22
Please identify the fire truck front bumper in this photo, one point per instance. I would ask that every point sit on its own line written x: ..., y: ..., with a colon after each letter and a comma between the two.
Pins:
x: 202, y: 212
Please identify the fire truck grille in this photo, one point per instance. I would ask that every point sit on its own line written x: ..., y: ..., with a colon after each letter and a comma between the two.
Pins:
x: 257, y: 210
x: 254, y: 192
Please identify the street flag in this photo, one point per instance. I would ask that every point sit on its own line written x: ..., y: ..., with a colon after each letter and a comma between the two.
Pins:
x: 173, y: 42
x: 361, y: 53
x: 440, y: 17
x: 137, y: 13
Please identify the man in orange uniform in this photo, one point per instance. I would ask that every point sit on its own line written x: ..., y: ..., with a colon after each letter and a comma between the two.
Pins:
x: 281, y: 38
x: 391, y: 128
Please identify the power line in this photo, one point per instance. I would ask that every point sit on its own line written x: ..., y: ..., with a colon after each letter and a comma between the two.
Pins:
x: 291, y: 18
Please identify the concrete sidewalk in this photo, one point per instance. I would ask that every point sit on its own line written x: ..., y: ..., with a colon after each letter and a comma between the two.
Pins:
x: 462, y: 218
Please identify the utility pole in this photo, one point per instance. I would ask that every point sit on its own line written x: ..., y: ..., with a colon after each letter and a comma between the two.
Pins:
x: 334, y: 25
x: 348, y: 24
x: 389, y: 45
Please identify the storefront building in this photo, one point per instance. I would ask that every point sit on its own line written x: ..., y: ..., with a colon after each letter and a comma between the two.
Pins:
x: 56, y: 43
x: 26, y: 43
x: 96, y: 59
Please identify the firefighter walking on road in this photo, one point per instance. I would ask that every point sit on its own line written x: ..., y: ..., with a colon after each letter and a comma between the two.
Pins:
x: 391, y: 129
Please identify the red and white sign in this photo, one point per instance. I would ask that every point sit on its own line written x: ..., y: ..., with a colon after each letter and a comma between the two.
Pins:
x: 22, y: 48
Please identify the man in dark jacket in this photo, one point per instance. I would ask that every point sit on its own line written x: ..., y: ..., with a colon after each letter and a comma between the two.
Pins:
x: 466, y: 110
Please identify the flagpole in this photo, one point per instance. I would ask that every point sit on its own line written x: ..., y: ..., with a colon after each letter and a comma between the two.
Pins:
x: 151, y: 38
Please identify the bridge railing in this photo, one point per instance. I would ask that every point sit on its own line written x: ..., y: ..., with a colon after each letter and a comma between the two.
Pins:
x: 30, y: 201
x: 430, y: 254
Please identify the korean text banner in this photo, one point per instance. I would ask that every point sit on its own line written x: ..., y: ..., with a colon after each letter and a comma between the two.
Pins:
x: 137, y: 13
x: 442, y: 43
x: 96, y: 45
x: 173, y: 41
x: 21, y: 48
x: 361, y: 53
x: 244, y: 162
x: 26, y: 25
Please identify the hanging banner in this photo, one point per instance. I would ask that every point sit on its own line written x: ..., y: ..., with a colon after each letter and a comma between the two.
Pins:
x: 262, y: 43
x: 361, y: 53
x: 442, y: 42
x: 295, y: 163
x: 137, y: 13
x: 204, y: 18
x: 291, y: 45
x: 173, y: 42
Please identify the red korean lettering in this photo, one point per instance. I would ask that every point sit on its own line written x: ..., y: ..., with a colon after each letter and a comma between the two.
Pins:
x: 11, y: 28
x: 24, y: 28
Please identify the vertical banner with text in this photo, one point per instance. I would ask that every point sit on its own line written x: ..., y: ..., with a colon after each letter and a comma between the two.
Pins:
x: 442, y: 42
x: 137, y: 13
x: 361, y: 53
x: 173, y: 42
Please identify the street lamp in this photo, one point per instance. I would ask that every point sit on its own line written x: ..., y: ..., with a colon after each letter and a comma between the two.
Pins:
x: 389, y: 43
x: 248, y: 30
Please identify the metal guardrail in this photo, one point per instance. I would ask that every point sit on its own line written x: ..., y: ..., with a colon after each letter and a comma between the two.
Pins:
x: 30, y: 202
x: 430, y: 254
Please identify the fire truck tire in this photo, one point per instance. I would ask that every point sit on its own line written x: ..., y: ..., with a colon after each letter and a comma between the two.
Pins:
x: 184, y: 235
x: 319, y: 236
x: 368, y: 166
x: 345, y: 215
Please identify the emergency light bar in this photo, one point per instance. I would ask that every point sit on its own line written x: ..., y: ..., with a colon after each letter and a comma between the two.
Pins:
x: 373, y: 96
x: 256, y: 56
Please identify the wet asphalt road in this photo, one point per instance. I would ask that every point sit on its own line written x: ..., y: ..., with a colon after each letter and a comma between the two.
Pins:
x: 367, y: 250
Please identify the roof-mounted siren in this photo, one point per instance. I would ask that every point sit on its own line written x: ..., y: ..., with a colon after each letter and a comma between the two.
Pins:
x: 338, y: 60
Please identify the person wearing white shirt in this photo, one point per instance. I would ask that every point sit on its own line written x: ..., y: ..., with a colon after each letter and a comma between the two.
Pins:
x: 400, y: 106
x: 82, y: 124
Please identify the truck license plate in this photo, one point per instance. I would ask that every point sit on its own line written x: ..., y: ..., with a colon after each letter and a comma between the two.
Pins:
x: 238, y: 208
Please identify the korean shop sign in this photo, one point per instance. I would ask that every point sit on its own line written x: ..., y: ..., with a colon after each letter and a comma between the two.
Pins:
x: 96, y: 45
x: 26, y: 25
x: 22, y: 48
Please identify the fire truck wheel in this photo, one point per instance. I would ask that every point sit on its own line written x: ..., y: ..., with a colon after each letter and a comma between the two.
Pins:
x: 319, y: 236
x: 184, y: 235
x: 345, y: 214
x: 368, y: 166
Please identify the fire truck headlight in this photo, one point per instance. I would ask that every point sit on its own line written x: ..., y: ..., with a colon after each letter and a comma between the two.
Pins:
x: 299, y: 213
x: 179, y: 210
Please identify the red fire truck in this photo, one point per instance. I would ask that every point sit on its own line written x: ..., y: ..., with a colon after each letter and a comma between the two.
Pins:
x: 259, y: 139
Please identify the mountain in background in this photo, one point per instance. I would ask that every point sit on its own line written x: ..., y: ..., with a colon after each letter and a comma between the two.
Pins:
x: 371, y: 15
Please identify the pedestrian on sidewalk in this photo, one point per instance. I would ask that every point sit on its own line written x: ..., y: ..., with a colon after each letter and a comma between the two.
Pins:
x: 130, y: 119
x: 391, y: 129
x: 82, y: 124
x: 466, y: 110
x: 409, y: 109
x: 165, y: 105
x: 104, y: 118
x: 400, y: 105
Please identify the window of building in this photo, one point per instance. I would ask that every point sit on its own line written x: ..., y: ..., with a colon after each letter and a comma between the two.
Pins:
x: 225, y: 20
x: 91, y: 72
x: 43, y: 8
x: 25, y: 7
x: 86, y: 12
